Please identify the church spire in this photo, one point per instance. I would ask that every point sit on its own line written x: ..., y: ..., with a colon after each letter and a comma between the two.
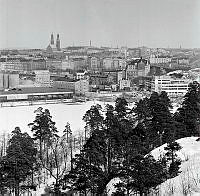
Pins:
x: 52, y: 39
x: 58, y: 42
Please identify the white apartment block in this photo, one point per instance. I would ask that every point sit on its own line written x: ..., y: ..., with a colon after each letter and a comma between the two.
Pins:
x: 173, y: 86
x: 124, y: 84
x: 154, y: 59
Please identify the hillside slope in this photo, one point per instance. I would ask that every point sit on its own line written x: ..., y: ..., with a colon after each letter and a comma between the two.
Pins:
x: 188, y: 181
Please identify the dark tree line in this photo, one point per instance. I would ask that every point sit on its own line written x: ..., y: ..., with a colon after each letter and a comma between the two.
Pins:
x: 118, y: 146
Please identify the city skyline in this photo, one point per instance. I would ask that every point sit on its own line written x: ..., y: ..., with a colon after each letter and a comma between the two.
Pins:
x: 132, y: 23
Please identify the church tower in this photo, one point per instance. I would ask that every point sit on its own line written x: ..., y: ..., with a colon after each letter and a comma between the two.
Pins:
x: 58, y: 42
x: 52, y: 40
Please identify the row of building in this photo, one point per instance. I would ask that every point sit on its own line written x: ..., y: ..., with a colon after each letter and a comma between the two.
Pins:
x: 174, y: 84
x: 161, y: 59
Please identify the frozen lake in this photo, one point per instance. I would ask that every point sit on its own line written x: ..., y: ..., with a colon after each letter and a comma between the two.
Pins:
x: 21, y: 116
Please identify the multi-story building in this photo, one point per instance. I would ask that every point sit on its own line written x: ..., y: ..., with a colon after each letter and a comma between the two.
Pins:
x: 172, y: 85
x: 63, y: 83
x: 183, y: 61
x: 113, y: 63
x: 11, y: 64
x: 53, y: 64
x: 76, y: 86
x: 113, y: 76
x: 122, y: 63
x: 78, y: 64
x: 137, y: 68
x: 124, y: 84
x: 42, y: 78
x: 98, y: 80
x: 108, y: 63
x: 26, y: 64
x: 9, y: 80
x: 66, y: 65
x: 94, y: 64
x: 22, y: 64
x: 38, y: 64
x: 81, y: 87
x: 155, y: 59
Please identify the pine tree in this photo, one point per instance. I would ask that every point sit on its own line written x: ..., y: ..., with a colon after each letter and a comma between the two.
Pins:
x: 121, y: 106
x: 3, y: 180
x: 165, y: 100
x: 162, y: 123
x: 171, y: 156
x: 187, y: 116
x: 20, y: 159
x: 105, y: 145
x: 155, y: 124
x: 93, y: 118
x: 43, y: 128
x: 143, y: 175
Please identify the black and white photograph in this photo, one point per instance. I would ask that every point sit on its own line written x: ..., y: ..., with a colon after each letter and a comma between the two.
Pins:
x: 99, y: 97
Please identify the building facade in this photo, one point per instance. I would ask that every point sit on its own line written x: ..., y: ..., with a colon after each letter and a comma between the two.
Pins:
x: 173, y: 86
x: 42, y: 78
x: 9, y: 80
x: 155, y: 59
x: 81, y: 87
x: 137, y: 68
x: 124, y: 84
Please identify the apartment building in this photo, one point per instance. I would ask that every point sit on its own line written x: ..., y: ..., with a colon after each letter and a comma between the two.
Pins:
x: 137, y: 68
x: 124, y: 84
x: 42, y: 78
x: 155, y: 59
x: 76, y: 86
x: 173, y: 86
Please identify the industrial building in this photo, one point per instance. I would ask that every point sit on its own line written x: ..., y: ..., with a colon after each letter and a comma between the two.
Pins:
x: 8, y: 80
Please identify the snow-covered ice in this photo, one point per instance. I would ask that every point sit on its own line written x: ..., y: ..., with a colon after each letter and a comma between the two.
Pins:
x: 21, y: 116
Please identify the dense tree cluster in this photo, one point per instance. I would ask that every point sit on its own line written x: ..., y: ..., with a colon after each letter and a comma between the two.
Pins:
x: 119, y: 144
x: 18, y: 163
x: 118, y: 141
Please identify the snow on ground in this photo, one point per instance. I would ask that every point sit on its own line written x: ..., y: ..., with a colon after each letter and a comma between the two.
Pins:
x: 111, y: 186
x: 21, y: 116
x: 48, y: 182
x: 188, y: 181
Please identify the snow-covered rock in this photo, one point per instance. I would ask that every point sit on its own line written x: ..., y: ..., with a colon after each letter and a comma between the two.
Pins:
x: 188, y: 181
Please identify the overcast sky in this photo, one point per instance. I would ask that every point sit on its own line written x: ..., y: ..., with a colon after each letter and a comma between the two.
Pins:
x: 132, y: 23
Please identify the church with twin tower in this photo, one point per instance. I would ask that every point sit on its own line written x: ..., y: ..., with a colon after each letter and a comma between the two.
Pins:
x: 54, y: 46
